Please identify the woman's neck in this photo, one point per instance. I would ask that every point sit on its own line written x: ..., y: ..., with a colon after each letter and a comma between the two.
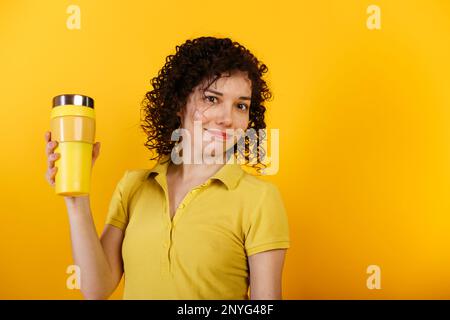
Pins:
x: 193, y: 172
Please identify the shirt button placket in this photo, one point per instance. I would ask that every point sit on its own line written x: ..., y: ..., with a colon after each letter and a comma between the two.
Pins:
x: 165, y: 261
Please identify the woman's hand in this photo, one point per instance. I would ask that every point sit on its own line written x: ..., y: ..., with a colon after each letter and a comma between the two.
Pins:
x: 52, y: 157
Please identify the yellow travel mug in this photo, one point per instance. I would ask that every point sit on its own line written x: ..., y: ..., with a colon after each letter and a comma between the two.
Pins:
x: 72, y: 123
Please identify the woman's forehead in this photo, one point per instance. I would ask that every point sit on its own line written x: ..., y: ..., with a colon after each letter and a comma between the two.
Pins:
x: 236, y: 83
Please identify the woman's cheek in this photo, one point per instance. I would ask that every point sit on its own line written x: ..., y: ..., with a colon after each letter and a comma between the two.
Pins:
x: 198, y: 115
x: 243, y: 123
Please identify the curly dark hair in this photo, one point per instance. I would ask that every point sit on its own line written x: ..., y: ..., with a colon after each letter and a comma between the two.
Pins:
x: 194, y: 61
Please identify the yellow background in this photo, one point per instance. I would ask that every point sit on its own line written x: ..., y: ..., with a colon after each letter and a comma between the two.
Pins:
x: 363, y: 117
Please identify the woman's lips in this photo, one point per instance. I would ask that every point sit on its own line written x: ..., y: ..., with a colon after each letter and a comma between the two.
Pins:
x: 218, y: 133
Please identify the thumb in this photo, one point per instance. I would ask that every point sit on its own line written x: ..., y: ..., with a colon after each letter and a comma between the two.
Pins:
x: 95, y: 151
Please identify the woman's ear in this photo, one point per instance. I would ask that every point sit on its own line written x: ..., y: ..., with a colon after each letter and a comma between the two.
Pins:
x: 180, y: 113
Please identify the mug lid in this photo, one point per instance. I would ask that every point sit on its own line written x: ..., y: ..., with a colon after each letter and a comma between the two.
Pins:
x: 73, y: 99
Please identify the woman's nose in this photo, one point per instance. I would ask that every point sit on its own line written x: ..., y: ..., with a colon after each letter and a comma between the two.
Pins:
x: 225, y: 116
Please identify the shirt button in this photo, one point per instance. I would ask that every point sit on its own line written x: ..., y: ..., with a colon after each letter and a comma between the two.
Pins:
x: 166, y: 244
x: 182, y: 206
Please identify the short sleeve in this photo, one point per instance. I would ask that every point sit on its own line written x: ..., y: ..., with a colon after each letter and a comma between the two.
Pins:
x: 267, y: 226
x: 117, y: 212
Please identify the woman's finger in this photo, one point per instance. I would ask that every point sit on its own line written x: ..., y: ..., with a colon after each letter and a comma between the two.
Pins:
x: 52, y: 158
x: 51, y: 145
x: 47, y: 177
x: 53, y: 173
x: 50, y: 175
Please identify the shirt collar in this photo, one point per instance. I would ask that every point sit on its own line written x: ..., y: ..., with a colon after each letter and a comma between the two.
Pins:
x: 229, y: 174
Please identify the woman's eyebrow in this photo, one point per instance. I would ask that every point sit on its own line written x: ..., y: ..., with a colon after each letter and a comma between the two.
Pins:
x: 221, y: 94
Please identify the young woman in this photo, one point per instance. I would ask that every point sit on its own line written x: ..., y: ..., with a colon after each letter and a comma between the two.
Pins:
x: 190, y: 229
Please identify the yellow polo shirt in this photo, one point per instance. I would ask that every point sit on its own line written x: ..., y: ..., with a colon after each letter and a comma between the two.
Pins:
x: 202, y: 253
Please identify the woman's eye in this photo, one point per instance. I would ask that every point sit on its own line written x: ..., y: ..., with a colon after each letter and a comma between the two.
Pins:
x: 242, y: 107
x: 211, y: 99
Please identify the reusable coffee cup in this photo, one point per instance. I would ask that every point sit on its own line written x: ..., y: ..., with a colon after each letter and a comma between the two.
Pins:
x: 72, y: 123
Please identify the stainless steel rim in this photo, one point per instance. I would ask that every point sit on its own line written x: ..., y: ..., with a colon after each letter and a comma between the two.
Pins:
x: 73, y: 99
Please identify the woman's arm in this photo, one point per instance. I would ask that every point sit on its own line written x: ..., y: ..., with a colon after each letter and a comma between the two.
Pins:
x: 266, y: 270
x: 100, y: 260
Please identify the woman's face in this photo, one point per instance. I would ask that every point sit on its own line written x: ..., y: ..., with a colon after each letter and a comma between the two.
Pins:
x: 219, y: 113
